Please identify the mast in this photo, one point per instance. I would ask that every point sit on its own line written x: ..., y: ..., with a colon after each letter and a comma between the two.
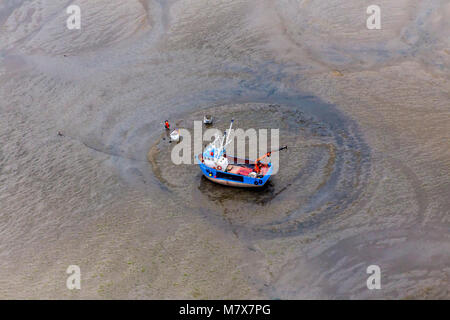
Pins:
x: 227, y: 137
x: 229, y: 131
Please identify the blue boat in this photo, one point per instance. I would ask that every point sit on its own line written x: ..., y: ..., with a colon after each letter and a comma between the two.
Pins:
x: 221, y: 168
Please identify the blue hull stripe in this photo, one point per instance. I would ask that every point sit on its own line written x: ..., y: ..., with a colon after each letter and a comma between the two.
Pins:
x: 211, y: 174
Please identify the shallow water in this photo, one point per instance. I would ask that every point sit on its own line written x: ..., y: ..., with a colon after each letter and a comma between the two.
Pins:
x: 364, y: 181
x: 326, y: 162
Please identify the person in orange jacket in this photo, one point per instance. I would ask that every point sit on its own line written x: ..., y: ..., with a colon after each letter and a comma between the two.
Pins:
x: 259, y: 164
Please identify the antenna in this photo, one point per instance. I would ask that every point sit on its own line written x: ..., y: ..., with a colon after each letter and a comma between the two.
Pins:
x: 225, y: 139
x: 229, y: 133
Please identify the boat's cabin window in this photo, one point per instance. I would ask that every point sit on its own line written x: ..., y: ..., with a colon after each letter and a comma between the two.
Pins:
x: 227, y: 176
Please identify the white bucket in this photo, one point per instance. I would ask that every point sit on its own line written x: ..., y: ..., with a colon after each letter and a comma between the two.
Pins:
x: 175, y: 135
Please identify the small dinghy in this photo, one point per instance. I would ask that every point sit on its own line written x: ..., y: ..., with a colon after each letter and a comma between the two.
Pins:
x: 208, y: 119
x: 175, y: 135
x: 218, y: 167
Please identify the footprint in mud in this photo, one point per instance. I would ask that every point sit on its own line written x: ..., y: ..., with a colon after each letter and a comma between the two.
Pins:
x: 320, y: 174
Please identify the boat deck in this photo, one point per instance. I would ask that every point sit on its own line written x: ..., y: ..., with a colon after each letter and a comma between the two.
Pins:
x: 241, y: 166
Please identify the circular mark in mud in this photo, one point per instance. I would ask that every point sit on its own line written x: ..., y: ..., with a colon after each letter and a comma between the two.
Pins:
x: 321, y: 174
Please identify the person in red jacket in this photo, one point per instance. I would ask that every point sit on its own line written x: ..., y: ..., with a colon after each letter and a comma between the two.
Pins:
x: 166, y: 124
x: 259, y: 164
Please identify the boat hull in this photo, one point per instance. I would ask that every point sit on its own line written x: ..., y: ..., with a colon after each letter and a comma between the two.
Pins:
x: 232, y: 183
x: 233, y: 180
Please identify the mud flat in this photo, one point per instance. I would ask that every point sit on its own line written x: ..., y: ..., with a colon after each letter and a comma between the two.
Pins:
x: 365, y: 181
x: 322, y: 169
